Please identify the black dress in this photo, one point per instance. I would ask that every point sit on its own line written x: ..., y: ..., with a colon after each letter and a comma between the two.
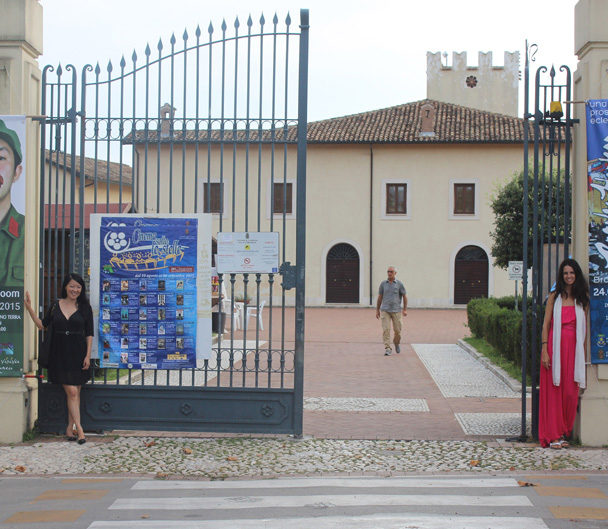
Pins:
x: 69, y: 346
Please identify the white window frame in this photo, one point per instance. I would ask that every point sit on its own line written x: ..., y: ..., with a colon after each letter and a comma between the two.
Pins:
x: 269, y: 211
x: 396, y: 216
x: 464, y: 216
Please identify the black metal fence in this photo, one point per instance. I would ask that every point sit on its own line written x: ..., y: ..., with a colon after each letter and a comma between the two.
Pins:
x: 213, y: 122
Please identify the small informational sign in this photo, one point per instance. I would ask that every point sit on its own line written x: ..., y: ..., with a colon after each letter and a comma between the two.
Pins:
x: 516, y: 270
x: 151, y: 290
x: 248, y: 252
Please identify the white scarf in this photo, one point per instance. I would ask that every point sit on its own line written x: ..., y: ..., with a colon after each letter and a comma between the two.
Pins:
x: 579, y: 354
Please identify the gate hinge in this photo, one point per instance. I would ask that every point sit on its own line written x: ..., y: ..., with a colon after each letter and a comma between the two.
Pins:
x: 288, y: 271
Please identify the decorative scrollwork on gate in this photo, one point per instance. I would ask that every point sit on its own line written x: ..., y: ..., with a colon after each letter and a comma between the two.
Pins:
x: 267, y: 410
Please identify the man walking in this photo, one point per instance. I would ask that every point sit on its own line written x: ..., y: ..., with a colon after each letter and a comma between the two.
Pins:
x: 389, y: 304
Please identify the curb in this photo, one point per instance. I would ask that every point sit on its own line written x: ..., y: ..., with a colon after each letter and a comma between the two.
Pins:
x: 515, y: 385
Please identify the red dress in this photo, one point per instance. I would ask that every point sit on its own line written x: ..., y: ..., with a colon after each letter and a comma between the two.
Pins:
x: 557, y: 404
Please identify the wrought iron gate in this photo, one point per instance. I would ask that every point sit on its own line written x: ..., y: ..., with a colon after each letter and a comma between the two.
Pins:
x: 547, y: 227
x: 213, y: 123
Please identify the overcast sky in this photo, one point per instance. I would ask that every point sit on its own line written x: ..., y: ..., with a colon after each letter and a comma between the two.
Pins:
x: 363, y: 55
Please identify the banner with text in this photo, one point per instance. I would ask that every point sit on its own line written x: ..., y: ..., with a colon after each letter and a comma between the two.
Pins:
x: 12, y: 226
x: 151, y: 289
x: 597, y: 176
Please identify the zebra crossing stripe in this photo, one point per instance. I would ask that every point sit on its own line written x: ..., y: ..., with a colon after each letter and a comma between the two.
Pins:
x: 329, y: 482
x: 395, y: 521
x: 319, y: 501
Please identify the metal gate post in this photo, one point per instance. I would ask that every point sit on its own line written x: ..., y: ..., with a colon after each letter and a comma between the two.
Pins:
x: 301, y: 226
x: 524, y: 299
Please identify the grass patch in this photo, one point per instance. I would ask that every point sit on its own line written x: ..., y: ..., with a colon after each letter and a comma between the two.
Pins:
x: 30, y: 435
x: 487, y: 350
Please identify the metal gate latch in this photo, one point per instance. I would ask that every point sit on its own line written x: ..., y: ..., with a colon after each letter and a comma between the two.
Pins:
x: 288, y: 271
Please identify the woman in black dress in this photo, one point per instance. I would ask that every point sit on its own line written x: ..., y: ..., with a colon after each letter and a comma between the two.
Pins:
x: 70, y: 356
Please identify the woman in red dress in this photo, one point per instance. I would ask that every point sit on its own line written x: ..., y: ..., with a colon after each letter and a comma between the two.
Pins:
x: 563, y: 373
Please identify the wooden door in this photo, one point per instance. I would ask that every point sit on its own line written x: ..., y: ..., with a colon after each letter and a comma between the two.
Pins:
x: 470, y: 275
x: 342, y: 274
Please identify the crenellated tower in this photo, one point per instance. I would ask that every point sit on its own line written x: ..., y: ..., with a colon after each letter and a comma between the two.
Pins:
x: 485, y: 86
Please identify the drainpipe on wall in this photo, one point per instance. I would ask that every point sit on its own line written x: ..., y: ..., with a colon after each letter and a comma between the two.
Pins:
x: 371, y: 219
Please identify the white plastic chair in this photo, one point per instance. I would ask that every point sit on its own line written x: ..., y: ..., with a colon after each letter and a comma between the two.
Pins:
x: 257, y: 312
x: 227, y: 304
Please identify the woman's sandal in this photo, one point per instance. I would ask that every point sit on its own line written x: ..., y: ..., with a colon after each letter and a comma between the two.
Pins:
x: 555, y: 445
x: 563, y: 443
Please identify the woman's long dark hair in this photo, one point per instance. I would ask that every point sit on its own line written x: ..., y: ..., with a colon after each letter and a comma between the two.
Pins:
x: 82, y: 298
x: 580, y: 289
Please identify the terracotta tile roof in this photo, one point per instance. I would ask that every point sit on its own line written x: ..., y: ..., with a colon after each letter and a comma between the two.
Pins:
x: 398, y: 124
x: 213, y: 136
x: 401, y: 124
x: 116, y: 171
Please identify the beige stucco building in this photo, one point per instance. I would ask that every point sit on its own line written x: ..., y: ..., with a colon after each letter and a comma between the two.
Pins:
x: 407, y: 186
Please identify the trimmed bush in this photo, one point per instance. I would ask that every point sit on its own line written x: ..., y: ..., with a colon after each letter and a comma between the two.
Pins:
x: 495, y: 320
x: 478, y: 311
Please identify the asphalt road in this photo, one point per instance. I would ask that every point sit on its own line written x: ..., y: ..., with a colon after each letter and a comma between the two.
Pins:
x: 556, y: 500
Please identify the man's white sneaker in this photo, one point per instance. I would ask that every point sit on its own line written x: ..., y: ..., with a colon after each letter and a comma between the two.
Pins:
x: 387, y: 352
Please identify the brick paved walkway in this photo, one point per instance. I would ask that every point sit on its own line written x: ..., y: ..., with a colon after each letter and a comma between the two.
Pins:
x: 345, y: 358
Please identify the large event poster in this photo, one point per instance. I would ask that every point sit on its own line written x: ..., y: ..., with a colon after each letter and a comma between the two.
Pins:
x: 151, y: 290
x: 597, y: 173
x: 12, y: 236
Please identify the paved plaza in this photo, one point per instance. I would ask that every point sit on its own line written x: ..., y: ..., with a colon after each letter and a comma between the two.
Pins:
x: 433, y: 390
x: 433, y: 408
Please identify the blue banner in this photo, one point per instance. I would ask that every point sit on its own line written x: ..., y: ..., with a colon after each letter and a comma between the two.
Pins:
x: 147, y: 292
x: 597, y: 175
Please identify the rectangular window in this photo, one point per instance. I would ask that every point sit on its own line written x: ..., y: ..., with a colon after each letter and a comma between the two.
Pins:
x: 212, y: 197
x: 464, y: 199
x: 282, y: 198
x: 396, y: 199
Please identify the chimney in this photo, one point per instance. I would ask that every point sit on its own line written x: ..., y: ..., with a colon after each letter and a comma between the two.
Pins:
x: 166, y: 114
x: 427, y: 121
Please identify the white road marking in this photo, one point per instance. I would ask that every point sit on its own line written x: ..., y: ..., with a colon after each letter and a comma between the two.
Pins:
x: 317, y: 501
x: 396, y: 521
x: 286, y: 483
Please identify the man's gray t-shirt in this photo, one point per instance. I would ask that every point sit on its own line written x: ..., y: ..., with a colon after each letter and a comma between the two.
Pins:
x: 391, y: 295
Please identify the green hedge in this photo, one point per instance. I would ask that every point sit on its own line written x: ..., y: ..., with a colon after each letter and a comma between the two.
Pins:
x: 495, y: 320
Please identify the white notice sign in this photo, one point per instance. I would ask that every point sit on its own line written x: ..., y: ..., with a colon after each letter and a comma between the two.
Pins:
x: 516, y: 270
x: 247, y: 252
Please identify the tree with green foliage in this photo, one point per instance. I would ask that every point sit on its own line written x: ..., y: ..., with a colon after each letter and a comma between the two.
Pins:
x: 507, y: 205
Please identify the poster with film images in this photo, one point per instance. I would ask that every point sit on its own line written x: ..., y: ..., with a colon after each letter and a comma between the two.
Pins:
x: 597, y: 177
x: 149, y: 283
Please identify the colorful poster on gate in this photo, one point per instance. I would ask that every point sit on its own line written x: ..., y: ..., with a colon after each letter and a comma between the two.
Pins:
x: 597, y: 175
x: 152, y: 290
x: 12, y: 243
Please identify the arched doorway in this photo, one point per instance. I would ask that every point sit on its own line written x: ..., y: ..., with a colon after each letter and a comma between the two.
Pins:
x: 470, y: 274
x: 342, y: 274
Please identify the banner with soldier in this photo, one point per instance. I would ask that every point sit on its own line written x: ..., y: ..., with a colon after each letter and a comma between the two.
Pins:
x: 12, y: 226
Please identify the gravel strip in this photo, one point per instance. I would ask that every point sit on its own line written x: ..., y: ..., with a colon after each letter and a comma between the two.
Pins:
x: 492, y: 423
x: 364, y: 404
x: 458, y: 374
x: 219, y: 458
